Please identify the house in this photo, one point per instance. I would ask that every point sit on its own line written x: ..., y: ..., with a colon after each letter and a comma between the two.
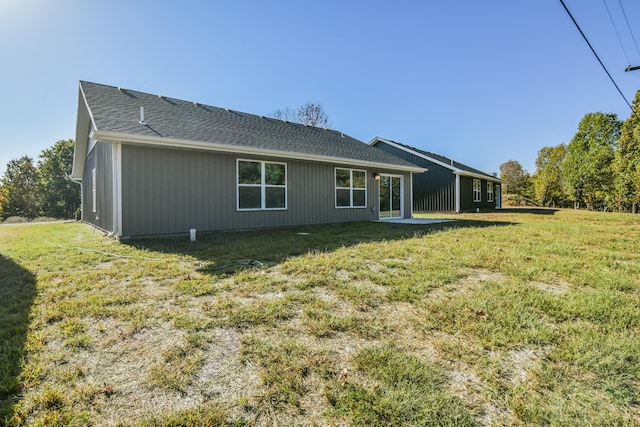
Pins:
x: 154, y: 165
x: 448, y: 185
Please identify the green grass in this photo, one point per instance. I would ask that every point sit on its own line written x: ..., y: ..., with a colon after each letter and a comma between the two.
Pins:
x: 507, y: 318
x: 408, y: 392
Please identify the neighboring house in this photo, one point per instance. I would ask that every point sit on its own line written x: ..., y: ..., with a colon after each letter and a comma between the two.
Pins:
x: 153, y: 165
x: 448, y: 185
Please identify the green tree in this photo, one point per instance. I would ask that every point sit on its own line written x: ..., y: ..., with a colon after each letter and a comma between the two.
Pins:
x: 516, y: 183
x: 20, y: 187
x: 587, y: 168
x: 626, y: 163
x: 3, y: 200
x: 60, y: 196
x: 548, y: 181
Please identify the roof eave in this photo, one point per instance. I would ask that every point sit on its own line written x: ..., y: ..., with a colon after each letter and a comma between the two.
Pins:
x: 99, y: 135
x: 454, y: 169
x: 415, y: 153
x: 477, y: 175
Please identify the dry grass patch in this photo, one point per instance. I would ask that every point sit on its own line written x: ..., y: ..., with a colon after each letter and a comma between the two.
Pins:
x: 557, y: 287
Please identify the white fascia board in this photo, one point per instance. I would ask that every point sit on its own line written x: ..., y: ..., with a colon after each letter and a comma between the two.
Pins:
x: 234, y: 149
x: 415, y: 153
x: 479, y: 176
x: 80, y: 143
x: 84, y: 120
x: 379, y: 139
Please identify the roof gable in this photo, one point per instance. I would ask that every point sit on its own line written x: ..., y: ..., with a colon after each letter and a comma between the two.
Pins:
x: 116, y: 113
x: 454, y: 166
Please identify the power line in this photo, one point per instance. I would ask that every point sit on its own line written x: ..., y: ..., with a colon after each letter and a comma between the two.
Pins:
x: 615, y: 28
x: 596, y: 55
x: 629, y: 26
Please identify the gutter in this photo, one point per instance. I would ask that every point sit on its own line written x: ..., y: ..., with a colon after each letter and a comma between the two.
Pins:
x: 477, y: 175
x: 99, y: 135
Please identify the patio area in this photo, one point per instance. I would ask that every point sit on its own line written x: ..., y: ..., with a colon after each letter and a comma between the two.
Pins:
x: 415, y: 221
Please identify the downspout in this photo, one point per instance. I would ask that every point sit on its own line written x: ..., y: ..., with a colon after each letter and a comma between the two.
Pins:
x: 457, y: 193
x: 410, y: 192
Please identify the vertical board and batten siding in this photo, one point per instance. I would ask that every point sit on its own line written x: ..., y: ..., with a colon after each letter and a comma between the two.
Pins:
x: 167, y: 191
x: 466, y: 195
x: 100, y: 158
x: 434, y: 190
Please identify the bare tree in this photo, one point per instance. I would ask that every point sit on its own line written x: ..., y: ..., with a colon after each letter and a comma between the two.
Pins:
x: 287, y: 114
x: 312, y: 114
x: 308, y: 114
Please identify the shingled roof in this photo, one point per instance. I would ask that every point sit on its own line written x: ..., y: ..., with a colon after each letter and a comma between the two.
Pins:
x: 114, y: 114
x: 455, y: 166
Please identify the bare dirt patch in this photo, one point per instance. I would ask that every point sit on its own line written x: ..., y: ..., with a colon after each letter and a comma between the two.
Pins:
x: 480, y: 275
x: 222, y: 374
x: 558, y: 287
x: 120, y: 363
x: 473, y: 278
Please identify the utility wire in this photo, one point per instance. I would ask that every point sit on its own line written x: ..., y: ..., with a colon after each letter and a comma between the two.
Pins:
x: 596, y: 55
x: 615, y: 28
x: 629, y: 26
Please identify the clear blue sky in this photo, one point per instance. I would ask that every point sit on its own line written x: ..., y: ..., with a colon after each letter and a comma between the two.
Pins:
x: 480, y: 81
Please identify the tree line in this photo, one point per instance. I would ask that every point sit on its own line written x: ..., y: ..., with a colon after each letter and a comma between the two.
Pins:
x: 599, y: 169
x: 29, y: 189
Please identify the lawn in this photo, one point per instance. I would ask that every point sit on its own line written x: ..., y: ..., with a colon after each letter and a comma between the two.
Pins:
x: 510, y: 318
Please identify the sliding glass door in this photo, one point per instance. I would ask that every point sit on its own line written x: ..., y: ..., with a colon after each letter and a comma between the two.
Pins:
x: 390, y: 196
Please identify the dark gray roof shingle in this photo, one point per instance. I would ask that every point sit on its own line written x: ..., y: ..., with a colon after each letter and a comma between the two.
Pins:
x: 118, y: 110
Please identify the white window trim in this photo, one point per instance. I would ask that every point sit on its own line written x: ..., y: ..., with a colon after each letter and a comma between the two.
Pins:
x: 94, y: 191
x: 477, y: 193
x: 262, y: 186
x: 351, y: 188
x: 489, y: 191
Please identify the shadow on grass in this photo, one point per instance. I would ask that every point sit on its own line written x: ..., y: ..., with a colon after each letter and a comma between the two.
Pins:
x: 527, y: 210
x: 17, y: 293
x: 223, y: 253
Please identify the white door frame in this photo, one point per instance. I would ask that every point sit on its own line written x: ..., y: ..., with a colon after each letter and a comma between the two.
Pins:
x: 401, y: 177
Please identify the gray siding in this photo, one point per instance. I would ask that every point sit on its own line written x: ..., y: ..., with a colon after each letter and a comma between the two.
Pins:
x: 101, y: 159
x: 170, y: 191
x: 434, y: 190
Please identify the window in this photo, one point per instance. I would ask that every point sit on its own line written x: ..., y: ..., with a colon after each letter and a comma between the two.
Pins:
x: 93, y: 190
x: 262, y: 185
x: 477, y: 190
x: 489, y: 191
x: 351, y: 188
